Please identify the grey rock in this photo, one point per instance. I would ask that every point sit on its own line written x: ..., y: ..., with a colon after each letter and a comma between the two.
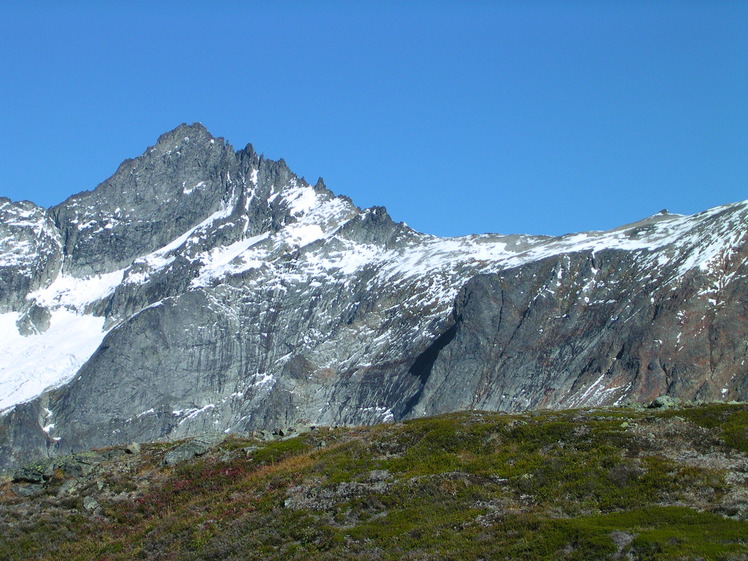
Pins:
x: 379, y: 475
x: 30, y: 252
x: 29, y: 490
x: 68, y: 487
x: 35, y: 319
x: 312, y: 497
x: 133, y: 448
x: 664, y: 402
x: 623, y: 539
x: 78, y: 466
x: 91, y: 504
x: 35, y: 472
x: 187, y: 450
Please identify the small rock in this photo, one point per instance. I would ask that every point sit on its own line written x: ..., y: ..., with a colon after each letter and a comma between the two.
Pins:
x: 379, y: 475
x: 77, y: 466
x: 629, y: 404
x: 133, y: 448
x: 68, y: 487
x: 29, y: 490
x: 90, y: 504
x: 621, y: 540
x: 664, y: 402
x: 186, y: 451
x: 35, y: 320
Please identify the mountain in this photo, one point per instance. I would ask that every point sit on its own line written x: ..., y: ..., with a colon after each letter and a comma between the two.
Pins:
x: 206, y: 290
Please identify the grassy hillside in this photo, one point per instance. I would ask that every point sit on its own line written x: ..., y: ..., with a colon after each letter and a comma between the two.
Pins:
x: 570, y: 485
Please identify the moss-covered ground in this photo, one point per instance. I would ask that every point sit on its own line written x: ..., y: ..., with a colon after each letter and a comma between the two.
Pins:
x: 570, y: 485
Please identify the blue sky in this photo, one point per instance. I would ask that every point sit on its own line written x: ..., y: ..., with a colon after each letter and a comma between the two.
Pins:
x: 469, y: 117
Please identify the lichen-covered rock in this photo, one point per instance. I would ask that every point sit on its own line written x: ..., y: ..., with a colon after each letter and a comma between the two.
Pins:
x: 35, y: 472
x: 133, y: 448
x: 664, y: 402
x: 188, y: 450
x: 91, y: 504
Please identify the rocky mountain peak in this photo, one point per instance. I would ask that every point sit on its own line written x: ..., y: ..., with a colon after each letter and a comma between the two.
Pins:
x: 184, y: 133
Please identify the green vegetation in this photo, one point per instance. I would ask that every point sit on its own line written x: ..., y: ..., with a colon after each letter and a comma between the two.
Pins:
x: 568, y: 485
x: 730, y: 419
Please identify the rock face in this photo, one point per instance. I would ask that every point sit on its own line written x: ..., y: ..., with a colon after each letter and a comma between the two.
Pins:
x: 203, y: 290
x: 30, y: 252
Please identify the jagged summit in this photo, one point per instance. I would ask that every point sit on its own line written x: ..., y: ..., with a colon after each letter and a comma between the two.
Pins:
x: 197, y: 131
x: 202, y: 289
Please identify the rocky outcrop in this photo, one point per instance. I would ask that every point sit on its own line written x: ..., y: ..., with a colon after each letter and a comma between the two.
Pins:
x: 593, y: 328
x: 203, y: 290
x: 30, y: 252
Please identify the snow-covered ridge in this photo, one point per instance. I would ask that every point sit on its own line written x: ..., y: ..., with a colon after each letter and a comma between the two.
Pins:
x: 693, y: 240
x: 74, y: 294
x: 322, y: 219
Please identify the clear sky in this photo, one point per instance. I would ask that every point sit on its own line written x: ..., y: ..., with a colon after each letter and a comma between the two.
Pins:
x: 459, y: 117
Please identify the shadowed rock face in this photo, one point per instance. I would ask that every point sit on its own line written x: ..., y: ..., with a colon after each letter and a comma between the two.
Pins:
x: 521, y: 340
x: 203, y: 290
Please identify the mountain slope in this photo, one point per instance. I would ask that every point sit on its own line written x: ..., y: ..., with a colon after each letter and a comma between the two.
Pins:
x: 211, y: 290
x: 615, y: 483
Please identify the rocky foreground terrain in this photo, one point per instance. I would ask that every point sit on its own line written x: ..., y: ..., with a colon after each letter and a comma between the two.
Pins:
x: 601, y: 483
x: 203, y: 290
